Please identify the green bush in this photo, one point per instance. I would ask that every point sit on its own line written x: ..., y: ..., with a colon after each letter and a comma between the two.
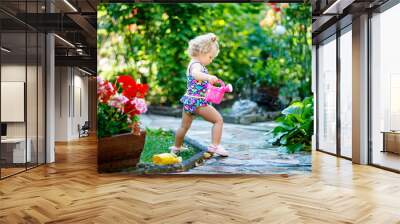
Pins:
x: 284, y: 60
x: 149, y: 41
x: 295, y: 127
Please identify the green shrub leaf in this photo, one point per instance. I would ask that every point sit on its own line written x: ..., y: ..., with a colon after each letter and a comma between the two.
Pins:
x: 295, y: 127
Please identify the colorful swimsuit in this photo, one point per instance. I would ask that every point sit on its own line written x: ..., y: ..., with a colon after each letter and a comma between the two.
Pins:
x: 195, y: 93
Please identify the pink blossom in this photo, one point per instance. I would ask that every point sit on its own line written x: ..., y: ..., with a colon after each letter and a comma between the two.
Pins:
x: 100, y: 80
x: 110, y: 86
x: 140, y: 105
x: 118, y: 101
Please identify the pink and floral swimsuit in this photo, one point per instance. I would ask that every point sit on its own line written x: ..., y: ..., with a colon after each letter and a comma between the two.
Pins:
x: 196, y: 91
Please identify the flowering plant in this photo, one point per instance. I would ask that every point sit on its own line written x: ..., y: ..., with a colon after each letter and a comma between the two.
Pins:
x: 119, y: 105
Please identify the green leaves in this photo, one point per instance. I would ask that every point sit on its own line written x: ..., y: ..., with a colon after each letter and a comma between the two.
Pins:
x: 295, y: 127
x: 110, y: 124
x: 295, y: 108
x: 295, y: 148
x: 150, y: 41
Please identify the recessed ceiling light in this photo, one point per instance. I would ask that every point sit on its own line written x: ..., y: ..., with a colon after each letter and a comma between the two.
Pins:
x: 337, y: 7
x: 64, y: 40
x: 86, y: 72
x: 70, y: 5
x: 5, y: 49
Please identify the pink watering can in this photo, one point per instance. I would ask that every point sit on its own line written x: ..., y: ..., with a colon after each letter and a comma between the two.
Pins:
x: 215, y: 94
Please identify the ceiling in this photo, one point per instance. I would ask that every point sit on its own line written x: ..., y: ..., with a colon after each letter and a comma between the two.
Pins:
x: 330, y: 15
x: 74, y: 22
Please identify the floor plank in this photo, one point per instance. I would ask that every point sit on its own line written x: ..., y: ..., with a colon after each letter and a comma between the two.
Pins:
x: 71, y: 191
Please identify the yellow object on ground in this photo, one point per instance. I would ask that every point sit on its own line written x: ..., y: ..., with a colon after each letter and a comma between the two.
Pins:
x: 166, y: 159
x: 207, y: 155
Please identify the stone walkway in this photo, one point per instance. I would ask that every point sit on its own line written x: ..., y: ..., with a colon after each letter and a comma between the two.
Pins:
x: 249, y: 151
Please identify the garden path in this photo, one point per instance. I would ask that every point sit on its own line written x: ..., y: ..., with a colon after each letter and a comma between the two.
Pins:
x: 249, y: 151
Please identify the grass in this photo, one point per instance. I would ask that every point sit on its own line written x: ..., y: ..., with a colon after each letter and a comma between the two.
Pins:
x: 158, y: 141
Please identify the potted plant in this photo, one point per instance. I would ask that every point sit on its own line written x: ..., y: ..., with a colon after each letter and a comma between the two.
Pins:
x: 121, y: 140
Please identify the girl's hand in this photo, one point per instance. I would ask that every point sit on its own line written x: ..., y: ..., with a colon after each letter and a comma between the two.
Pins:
x: 212, y: 79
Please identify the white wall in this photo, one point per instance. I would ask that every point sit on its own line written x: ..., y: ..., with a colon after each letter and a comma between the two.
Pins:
x: 71, y: 94
x: 61, y: 103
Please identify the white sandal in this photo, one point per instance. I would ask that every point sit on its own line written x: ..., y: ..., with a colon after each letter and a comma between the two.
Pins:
x: 218, y: 150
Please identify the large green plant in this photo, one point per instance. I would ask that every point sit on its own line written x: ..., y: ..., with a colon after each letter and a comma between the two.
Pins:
x: 295, y: 127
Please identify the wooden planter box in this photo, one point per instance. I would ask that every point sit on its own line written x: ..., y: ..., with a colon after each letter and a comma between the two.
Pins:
x: 119, y: 152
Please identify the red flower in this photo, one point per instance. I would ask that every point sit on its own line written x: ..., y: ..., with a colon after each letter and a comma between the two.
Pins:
x: 105, y: 91
x: 142, y: 90
x: 130, y: 88
x: 277, y: 9
x: 130, y: 92
x: 126, y: 81
x: 130, y: 109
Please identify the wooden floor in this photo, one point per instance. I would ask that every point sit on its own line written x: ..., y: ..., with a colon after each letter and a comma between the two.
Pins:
x: 10, y: 171
x: 71, y: 191
x: 387, y: 159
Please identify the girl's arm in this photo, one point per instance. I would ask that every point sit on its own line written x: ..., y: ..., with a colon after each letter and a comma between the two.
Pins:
x: 199, y: 75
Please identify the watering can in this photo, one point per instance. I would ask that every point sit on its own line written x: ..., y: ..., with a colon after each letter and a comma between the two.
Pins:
x: 215, y: 94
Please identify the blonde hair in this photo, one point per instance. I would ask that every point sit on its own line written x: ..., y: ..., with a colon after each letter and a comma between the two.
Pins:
x: 203, y: 44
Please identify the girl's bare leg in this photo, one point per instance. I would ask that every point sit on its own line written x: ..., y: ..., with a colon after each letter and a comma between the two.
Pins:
x: 209, y: 113
x: 185, y: 125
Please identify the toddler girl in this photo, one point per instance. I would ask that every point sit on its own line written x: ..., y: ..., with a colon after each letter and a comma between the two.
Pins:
x: 202, y: 50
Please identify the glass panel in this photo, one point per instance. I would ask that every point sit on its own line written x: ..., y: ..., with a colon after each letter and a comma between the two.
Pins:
x: 41, y: 98
x: 22, y: 87
x: 346, y: 94
x: 32, y: 113
x: 385, y: 86
x: 313, y: 88
x: 13, y: 86
x: 32, y: 85
x: 327, y: 97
